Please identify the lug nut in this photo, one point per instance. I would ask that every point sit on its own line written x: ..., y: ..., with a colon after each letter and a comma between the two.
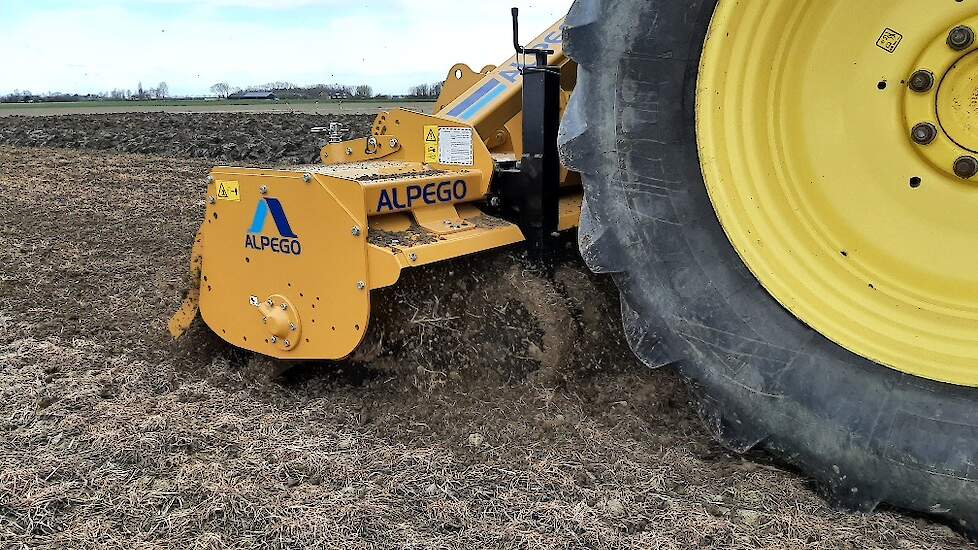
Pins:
x: 961, y: 38
x: 922, y: 81
x: 274, y: 339
x: 924, y: 133
x: 966, y: 167
x: 285, y: 307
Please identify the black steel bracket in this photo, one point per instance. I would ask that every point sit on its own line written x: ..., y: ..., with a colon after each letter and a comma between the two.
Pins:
x: 528, y: 193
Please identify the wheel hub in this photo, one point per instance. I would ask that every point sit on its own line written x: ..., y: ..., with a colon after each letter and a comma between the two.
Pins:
x: 281, y: 321
x: 838, y: 141
x: 942, y: 94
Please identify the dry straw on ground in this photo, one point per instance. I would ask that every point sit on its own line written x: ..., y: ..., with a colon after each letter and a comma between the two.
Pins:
x: 491, y: 408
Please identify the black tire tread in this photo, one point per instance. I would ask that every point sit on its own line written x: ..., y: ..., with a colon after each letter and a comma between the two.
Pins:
x: 866, y: 434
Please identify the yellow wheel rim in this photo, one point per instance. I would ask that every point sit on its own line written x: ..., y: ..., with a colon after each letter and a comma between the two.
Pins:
x: 809, y: 145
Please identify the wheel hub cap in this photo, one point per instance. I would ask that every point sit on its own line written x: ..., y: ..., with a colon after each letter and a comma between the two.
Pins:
x: 949, y: 103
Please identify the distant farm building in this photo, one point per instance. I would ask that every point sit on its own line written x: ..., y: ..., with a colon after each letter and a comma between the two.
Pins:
x: 270, y: 96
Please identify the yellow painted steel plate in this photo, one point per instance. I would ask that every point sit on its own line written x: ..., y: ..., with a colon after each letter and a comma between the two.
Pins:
x: 285, y: 267
x: 863, y: 234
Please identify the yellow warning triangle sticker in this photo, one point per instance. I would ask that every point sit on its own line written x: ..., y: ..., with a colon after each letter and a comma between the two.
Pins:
x: 431, y: 135
x: 229, y: 191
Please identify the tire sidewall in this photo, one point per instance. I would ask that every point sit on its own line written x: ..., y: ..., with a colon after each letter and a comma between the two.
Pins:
x: 867, y: 433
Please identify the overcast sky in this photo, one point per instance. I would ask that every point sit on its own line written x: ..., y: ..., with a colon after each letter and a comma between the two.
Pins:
x: 97, y: 45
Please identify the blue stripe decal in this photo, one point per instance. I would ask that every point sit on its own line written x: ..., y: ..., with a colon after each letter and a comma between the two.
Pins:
x: 486, y: 100
x: 274, y: 207
x: 261, y: 213
x: 462, y: 107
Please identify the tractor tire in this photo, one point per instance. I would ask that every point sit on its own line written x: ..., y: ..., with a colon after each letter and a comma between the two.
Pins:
x: 866, y: 434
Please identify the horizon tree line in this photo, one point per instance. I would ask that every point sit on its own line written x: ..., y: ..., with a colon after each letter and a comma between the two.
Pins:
x: 223, y: 90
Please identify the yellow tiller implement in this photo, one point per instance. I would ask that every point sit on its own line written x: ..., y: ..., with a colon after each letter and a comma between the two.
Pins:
x: 784, y: 190
x: 286, y: 259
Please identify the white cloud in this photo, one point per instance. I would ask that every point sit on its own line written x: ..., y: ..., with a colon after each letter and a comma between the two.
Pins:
x: 391, y: 44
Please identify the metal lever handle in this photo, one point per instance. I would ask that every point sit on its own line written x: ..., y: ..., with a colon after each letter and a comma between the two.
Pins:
x: 516, y: 31
x: 541, y: 55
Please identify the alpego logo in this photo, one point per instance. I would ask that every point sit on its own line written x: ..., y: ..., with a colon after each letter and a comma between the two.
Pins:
x: 430, y: 194
x: 287, y: 243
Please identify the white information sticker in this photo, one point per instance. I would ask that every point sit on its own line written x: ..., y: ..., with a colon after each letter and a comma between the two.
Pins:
x: 455, y: 146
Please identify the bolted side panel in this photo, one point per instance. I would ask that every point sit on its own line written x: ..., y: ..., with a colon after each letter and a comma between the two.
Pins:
x: 284, y: 264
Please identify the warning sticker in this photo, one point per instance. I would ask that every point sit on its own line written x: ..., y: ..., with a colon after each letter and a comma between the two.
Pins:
x: 228, y: 191
x: 431, y: 144
x: 455, y: 146
x: 890, y: 40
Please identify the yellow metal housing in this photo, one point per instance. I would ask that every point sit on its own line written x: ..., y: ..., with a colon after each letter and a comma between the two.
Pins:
x: 286, y: 259
x: 259, y: 275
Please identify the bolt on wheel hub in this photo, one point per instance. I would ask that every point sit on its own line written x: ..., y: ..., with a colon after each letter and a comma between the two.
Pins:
x: 961, y: 38
x: 941, y: 106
